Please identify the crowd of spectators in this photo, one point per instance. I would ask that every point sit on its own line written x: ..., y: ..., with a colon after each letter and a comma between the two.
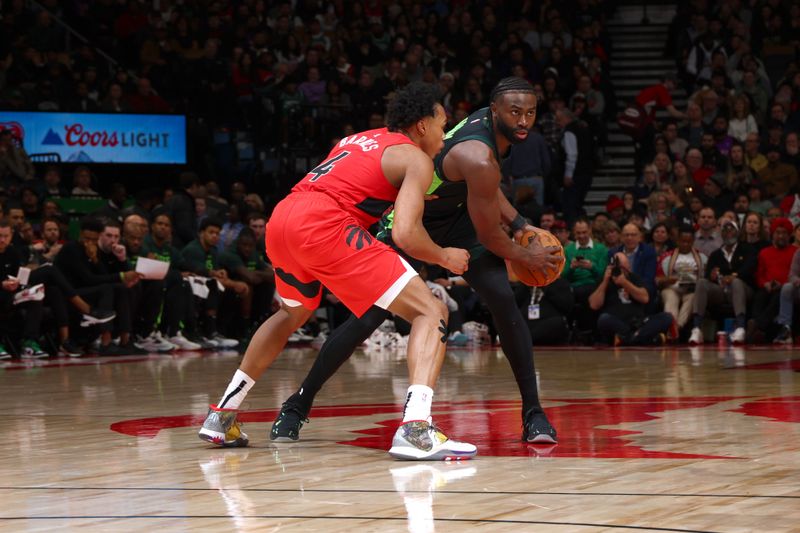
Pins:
x: 706, y: 235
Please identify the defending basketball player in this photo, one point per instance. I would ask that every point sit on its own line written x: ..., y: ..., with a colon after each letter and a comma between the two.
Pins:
x: 318, y: 236
x: 465, y: 211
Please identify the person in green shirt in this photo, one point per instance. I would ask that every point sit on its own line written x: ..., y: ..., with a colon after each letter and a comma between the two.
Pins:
x: 586, y: 261
x: 200, y: 258
x: 244, y: 263
x: 178, y: 302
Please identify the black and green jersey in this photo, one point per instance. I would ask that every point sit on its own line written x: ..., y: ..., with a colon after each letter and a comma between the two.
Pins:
x: 446, y: 218
x: 231, y: 261
x: 198, y: 260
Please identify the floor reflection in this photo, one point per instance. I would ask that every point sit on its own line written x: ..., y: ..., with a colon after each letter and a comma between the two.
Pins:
x: 221, y: 472
x: 417, y: 484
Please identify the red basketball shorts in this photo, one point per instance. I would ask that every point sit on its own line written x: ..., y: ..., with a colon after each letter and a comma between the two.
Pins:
x: 312, y: 242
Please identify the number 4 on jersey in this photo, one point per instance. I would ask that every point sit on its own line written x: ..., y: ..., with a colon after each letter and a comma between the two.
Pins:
x: 326, y: 166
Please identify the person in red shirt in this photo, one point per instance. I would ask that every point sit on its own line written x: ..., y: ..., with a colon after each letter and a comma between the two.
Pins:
x: 318, y: 236
x: 772, y: 273
x: 649, y: 100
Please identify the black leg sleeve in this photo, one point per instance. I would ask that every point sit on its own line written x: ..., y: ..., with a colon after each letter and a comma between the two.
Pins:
x: 31, y: 328
x: 487, y: 275
x: 338, y: 348
x: 51, y: 276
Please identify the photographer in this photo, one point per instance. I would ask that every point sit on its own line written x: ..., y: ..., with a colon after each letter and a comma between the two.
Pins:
x: 621, y: 299
x: 677, y: 276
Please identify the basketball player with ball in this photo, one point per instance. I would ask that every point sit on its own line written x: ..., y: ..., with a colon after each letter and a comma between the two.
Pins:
x: 318, y: 236
x: 465, y: 210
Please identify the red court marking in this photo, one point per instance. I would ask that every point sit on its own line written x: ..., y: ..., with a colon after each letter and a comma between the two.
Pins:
x: 494, y: 425
x: 793, y: 364
x: 782, y: 409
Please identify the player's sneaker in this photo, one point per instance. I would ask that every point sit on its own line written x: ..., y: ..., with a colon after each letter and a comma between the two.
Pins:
x: 97, y: 316
x: 183, y: 343
x: 222, y: 428
x: 696, y: 337
x: 419, y: 440
x: 738, y: 336
x: 69, y: 348
x: 224, y: 342
x: 784, y: 336
x: 288, y: 423
x: 32, y: 350
x: 536, y: 428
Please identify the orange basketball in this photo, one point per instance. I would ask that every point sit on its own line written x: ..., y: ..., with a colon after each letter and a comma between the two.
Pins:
x: 539, y: 278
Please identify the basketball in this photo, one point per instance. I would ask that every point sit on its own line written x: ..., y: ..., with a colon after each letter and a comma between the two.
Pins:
x: 539, y: 278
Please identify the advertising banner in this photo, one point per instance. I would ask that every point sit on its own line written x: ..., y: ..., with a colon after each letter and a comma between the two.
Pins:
x: 100, y: 138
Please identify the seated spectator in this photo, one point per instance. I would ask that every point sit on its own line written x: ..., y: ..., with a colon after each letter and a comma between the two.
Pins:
x: 716, y: 196
x: 660, y: 239
x: 707, y: 240
x: 739, y: 175
x: 712, y: 157
x: 611, y: 235
x: 778, y: 178
x: 790, y: 293
x: 728, y: 281
x: 232, y: 226
x: 599, y: 225
x: 641, y: 256
x: 621, y: 299
x: 696, y: 167
x: 46, y: 249
x: 772, y: 272
x: 115, y: 204
x: 677, y: 145
x: 82, y: 182
x: 244, y: 263
x: 677, y: 275
x: 15, y: 165
x: 648, y: 184
x: 561, y: 231
x: 752, y: 156
x: 586, y: 262
x: 742, y: 121
x: 528, y: 164
x: 113, y: 255
x: 201, y: 258
x: 80, y: 263
x: 547, y: 312
x: 178, y: 309
x: 10, y: 261
x: 51, y: 186
x: 615, y: 208
x: 754, y: 232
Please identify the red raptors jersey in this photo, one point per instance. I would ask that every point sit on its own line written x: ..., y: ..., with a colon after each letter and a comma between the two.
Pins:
x: 352, y: 175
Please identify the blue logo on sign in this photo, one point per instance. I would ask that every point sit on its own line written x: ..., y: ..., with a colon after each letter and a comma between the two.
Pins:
x: 52, y: 138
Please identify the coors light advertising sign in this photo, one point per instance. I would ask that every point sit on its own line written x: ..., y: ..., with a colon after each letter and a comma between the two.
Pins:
x: 100, y: 138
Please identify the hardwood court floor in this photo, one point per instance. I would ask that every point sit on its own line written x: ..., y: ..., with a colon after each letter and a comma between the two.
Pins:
x: 650, y: 440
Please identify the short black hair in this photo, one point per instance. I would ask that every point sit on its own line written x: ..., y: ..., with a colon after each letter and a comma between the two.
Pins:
x: 208, y: 222
x: 92, y: 223
x: 246, y: 233
x: 511, y: 84
x: 414, y: 102
x: 686, y: 228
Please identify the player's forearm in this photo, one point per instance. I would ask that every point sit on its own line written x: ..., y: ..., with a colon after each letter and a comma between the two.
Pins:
x: 418, y: 244
x: 497, y: 242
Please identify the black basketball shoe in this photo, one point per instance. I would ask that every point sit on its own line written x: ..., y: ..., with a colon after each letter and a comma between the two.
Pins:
x: 536, y: 428
x: 288, y: 423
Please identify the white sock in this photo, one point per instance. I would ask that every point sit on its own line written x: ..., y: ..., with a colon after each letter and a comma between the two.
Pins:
x: 237, y: 389
x: 418, y: 403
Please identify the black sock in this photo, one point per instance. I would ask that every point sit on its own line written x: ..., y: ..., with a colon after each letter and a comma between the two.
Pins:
x: 338, y: 348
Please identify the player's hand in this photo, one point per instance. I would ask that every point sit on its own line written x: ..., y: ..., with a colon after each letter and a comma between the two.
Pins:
x: 10, y: 285
x: 541, y: 258
x: 119, y: 252
x: 131, y: 278
x: 455, y: 260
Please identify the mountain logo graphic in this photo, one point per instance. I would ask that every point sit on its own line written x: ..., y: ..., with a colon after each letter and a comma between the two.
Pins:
x: 52, y: 137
